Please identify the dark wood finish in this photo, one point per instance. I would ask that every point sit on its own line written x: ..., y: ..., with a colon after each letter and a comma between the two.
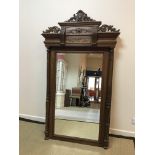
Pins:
x: 81, y: 34
x: 52, y: 85
x: 47, y: 96
x: 50, y: 97
x: 103, y: 141
x: 75, y: 140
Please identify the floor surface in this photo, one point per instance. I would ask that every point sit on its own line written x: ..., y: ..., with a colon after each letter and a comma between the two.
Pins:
x: 32, y: 143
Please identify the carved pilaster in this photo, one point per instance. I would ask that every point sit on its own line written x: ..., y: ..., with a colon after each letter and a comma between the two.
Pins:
x: 47, y: 119
x: 108, y: 98
x: 47, y: 97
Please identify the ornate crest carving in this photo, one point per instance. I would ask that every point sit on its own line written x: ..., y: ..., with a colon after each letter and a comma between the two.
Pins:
x: 53, y: 29
x: 80, y: 16
x: 107, y: 28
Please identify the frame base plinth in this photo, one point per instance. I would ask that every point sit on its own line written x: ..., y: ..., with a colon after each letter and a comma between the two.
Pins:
x: 46, y: 135
x: 46, y: 138
x: 106, y: 145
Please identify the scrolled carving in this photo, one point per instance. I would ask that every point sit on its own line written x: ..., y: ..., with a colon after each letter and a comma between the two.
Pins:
x: 107, y: 28
x: 80, y: 16
x: 53, y: 29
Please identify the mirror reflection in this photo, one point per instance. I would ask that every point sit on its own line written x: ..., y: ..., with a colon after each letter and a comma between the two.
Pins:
x: 78, y: 95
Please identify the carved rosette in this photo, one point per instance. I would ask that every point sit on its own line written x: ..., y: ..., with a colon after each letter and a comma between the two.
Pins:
x: 53, y: 30
x: 107, y: 28
x: 80, y: 16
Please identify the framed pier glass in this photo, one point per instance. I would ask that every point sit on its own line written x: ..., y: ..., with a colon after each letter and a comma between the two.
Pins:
x: 80, y: 57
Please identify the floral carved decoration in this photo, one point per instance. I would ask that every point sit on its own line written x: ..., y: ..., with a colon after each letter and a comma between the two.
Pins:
x: 107, y: 28
x: 53, y: 29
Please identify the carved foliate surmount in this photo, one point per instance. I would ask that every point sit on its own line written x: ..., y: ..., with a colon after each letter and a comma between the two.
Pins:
x: 53, y: 29
x: 107, y: 28
x: 81, y: 30
x: 80, y: 16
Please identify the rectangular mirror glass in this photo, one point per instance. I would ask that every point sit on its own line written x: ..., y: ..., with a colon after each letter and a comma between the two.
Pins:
x: 78, y: 94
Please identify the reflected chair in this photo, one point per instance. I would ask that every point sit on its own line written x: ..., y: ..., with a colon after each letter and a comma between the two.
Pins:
x: 75, y: 96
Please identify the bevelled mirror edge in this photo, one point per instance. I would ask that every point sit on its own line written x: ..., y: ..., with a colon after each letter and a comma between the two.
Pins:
x: 81, y: 77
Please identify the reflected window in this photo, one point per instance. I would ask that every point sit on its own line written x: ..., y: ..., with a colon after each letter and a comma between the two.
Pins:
x: 91, y: 83
x: 60, y: 74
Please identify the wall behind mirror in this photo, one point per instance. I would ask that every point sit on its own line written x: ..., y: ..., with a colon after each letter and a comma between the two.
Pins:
x: 78, y: 94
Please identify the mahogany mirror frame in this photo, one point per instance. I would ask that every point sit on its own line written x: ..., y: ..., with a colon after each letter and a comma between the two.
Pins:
x: 80, y: 34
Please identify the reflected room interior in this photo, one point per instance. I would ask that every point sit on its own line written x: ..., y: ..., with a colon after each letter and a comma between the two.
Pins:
x: 78, y: 94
